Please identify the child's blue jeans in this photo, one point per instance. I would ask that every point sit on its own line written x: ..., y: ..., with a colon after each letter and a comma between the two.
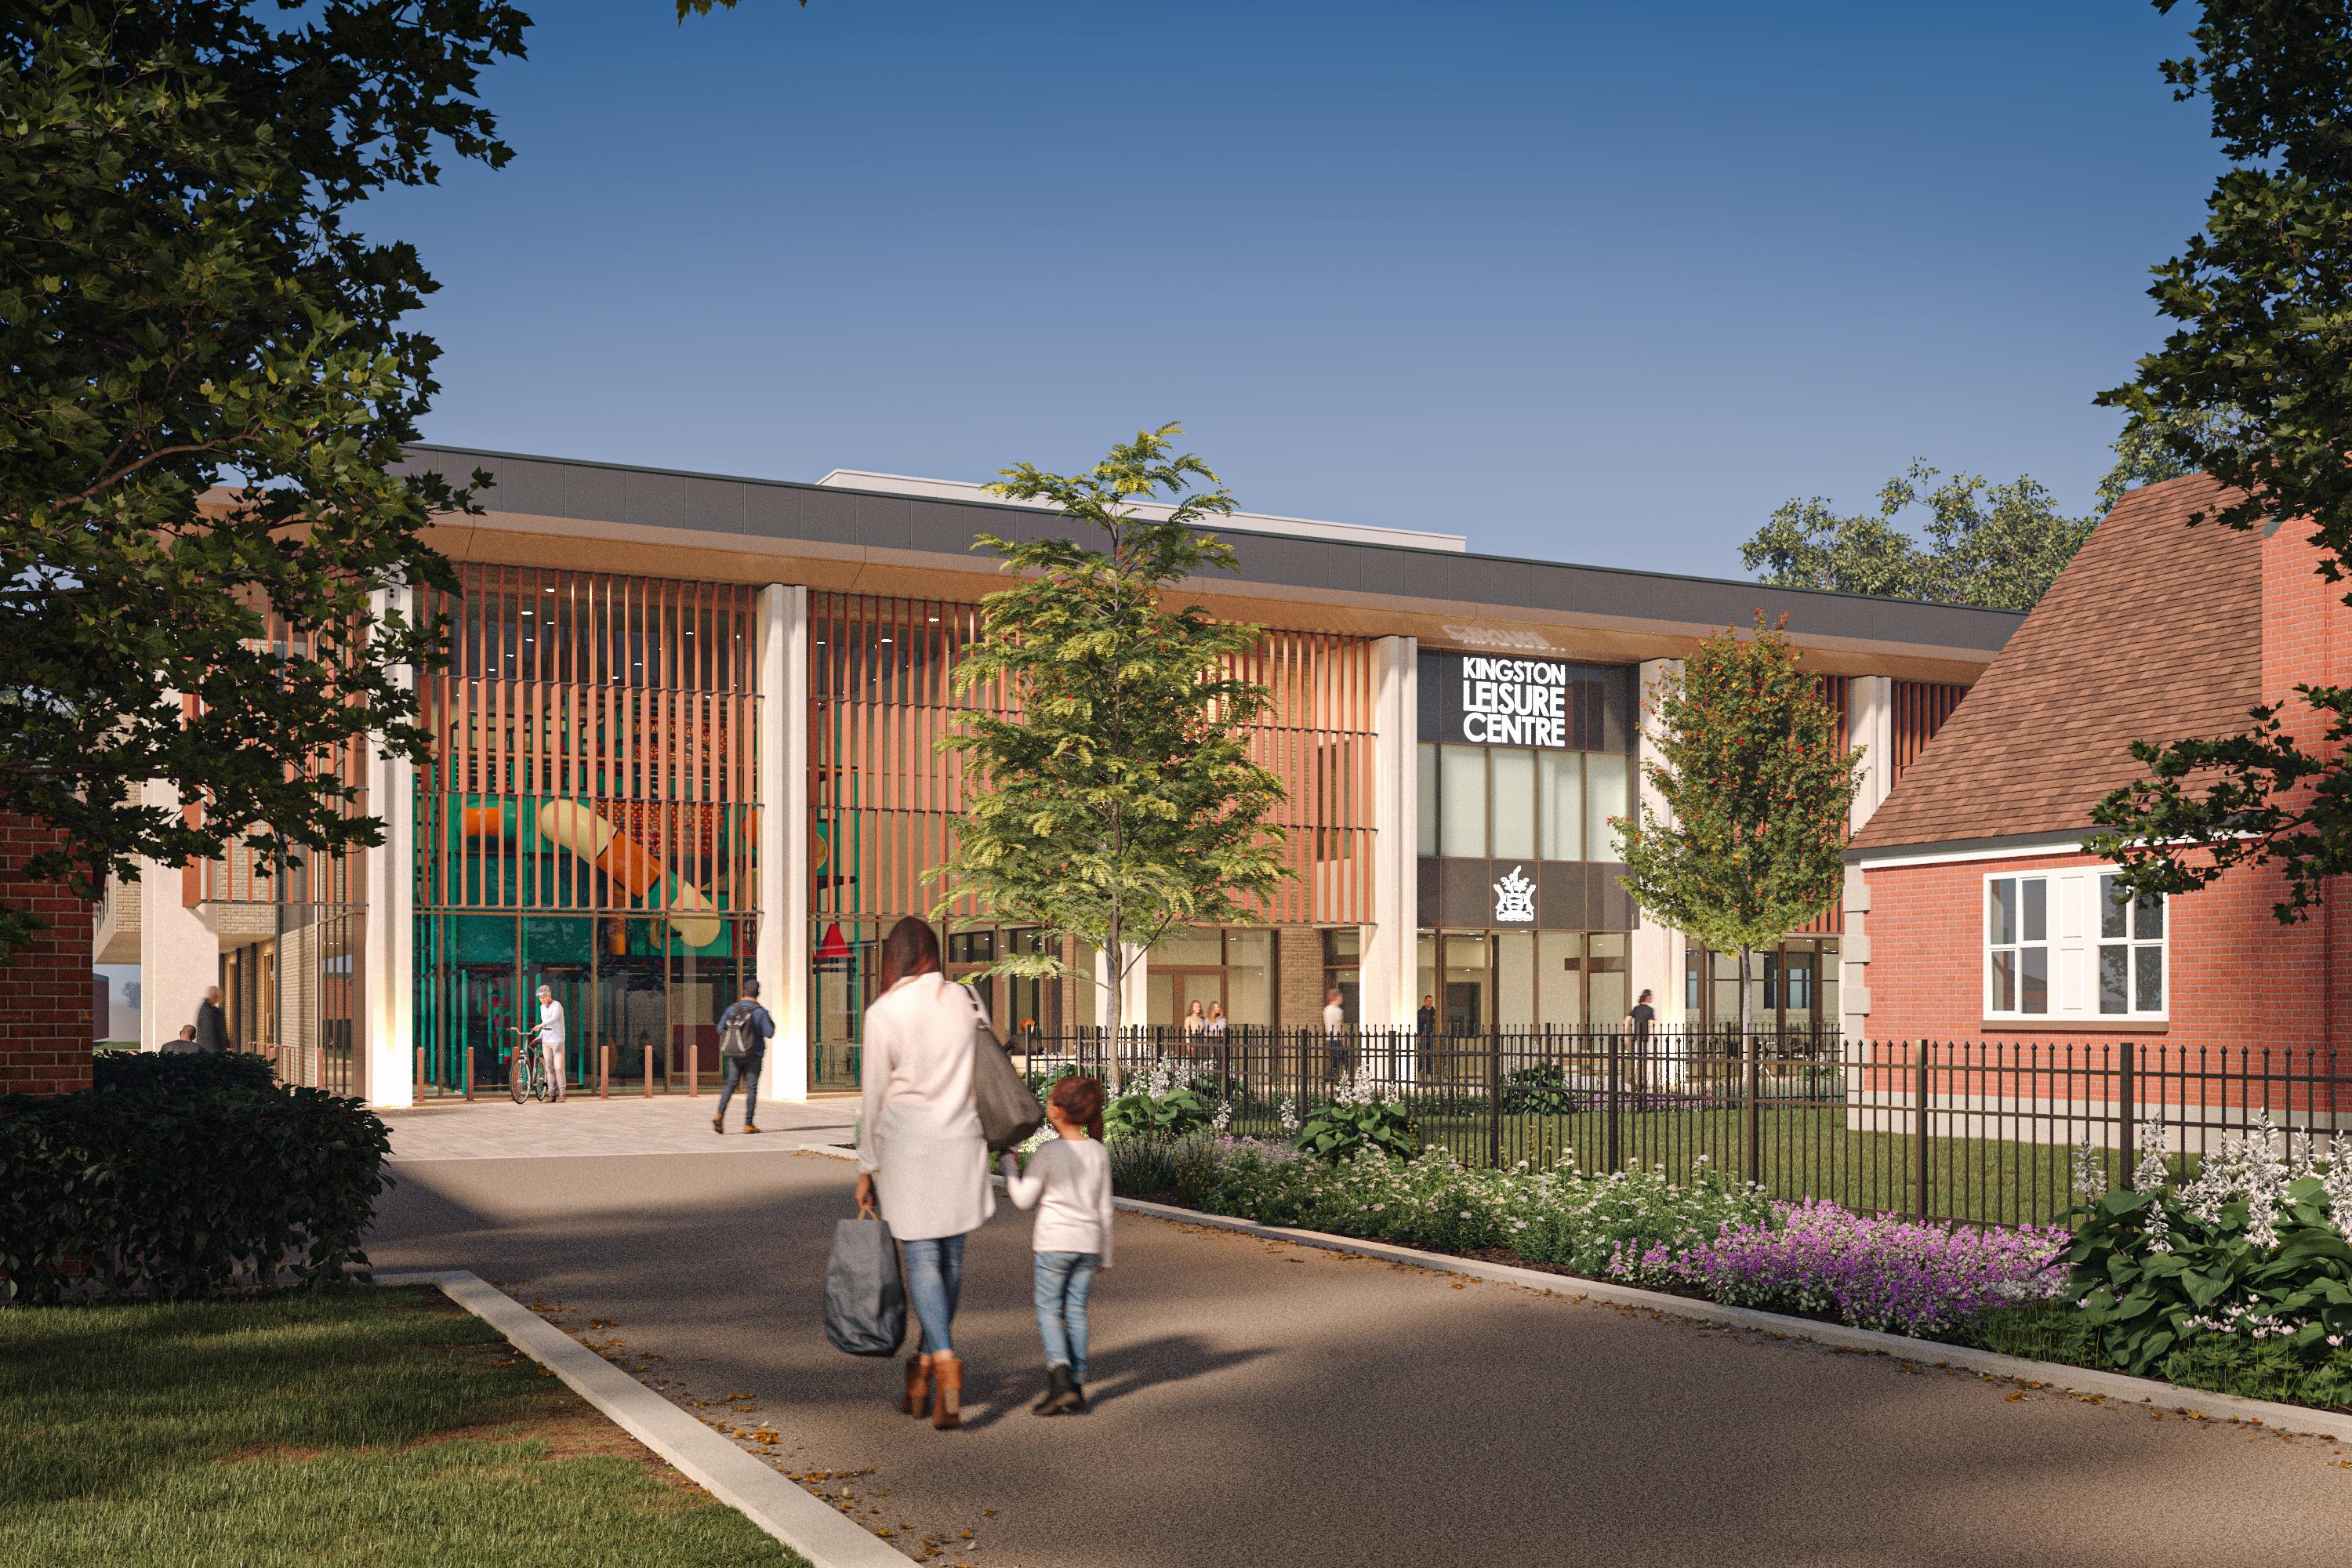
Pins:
x: 1062, y: 1280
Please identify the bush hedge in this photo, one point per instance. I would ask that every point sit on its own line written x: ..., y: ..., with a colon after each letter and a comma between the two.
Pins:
x: 176, y: 1192
x: 179, y: 1070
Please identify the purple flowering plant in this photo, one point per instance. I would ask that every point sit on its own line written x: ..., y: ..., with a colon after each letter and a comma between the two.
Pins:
x: 1876, y: 1271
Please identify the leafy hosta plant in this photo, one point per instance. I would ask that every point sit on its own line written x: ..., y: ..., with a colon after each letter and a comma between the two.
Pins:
x: 2252, y: 1248
x: 1360, y: 1118
x: 1157, y: 1105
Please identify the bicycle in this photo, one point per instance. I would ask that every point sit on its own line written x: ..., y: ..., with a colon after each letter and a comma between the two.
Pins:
x: 526, y: 1068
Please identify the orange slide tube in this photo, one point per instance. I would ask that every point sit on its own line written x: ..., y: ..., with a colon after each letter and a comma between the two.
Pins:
x: 573, y: 827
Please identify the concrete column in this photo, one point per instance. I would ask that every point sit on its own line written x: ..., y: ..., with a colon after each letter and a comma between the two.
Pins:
x: 388, y: 961
x: 179, y: 955
x: 1385, y: 969
x: 781, y: 959
x: 1658, y: 960
x: 1135, y: 999
x: 1870, y: 726
x: 1853, y: 958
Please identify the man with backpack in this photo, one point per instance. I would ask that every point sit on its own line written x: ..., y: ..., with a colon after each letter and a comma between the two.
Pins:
x: 744, y: 1030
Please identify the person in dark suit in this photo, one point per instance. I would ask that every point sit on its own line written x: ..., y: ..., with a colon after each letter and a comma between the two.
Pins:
x: 1424, y: 1034
x: 212, y: 1024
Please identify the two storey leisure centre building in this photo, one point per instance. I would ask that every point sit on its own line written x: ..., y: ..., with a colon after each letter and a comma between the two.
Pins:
x: 685, y: 734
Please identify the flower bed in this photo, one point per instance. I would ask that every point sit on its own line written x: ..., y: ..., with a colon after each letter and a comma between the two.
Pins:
x: 1706, y: 1237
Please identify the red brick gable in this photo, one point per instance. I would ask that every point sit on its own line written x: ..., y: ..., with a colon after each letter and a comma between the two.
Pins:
x: 2153, y: 632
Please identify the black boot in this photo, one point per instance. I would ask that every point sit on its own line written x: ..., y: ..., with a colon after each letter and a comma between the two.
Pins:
x: 1059, y: 1389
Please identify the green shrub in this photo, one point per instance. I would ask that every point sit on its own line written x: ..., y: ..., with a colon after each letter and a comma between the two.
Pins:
x: 179, y: 1070
x: 2040, y: 1331
x: 176, y: 1193
x: 1157, y: 1103
x: 1354, y: 1124
x: 1539, y: 1090
x: 2251, y: 1250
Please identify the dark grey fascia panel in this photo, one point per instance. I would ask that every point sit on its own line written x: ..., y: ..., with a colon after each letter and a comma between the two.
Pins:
x: 781, y: 509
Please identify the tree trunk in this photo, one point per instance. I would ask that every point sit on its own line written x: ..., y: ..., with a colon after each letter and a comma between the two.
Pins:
x: 1114, y: 956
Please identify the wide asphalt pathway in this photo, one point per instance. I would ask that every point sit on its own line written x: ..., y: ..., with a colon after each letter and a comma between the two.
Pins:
x: 1263, y: 1403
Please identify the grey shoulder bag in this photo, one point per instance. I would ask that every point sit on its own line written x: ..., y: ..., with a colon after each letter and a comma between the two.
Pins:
x: 1008, y: 1109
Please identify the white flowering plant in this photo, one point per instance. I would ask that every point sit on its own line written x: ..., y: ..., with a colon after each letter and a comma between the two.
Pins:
x: 1360, y: 1115
x: 2252, y: 1248
x: 1160, y: 1103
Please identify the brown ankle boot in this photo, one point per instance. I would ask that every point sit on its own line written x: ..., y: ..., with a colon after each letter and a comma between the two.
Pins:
x: 918, y: 1385
x: 947, y: 1391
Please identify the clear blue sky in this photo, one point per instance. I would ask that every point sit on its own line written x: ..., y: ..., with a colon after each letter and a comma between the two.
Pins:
x: 1602, y: 283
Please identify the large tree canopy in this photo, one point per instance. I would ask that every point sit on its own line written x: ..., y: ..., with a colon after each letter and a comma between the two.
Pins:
x: 2253, y: 385
x: 1995, y: 545
x: 183, y: 310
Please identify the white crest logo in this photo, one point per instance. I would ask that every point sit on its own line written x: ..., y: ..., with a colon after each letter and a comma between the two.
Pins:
x: 1515, y: 897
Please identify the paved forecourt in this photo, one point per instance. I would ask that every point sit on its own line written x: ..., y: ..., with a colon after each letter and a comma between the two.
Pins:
x: 1260, y: 1402
x: 499, y: 1129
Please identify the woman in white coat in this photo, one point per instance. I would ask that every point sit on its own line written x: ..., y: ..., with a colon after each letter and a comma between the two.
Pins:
x: 922, y: 1156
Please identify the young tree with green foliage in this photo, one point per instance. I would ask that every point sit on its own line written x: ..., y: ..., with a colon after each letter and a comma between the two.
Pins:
x: 1114, y: 799
x: 1755, y: 790
x: 181, y: 309
x: 2253, y: 386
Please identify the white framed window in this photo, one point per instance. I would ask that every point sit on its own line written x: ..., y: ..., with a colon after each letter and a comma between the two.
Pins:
x: 2058, y: 945
x: 2017, y: 947
x: 2131, y: 953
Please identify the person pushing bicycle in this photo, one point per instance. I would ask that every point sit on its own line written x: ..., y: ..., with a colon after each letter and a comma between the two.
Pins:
x: 548, y: 1033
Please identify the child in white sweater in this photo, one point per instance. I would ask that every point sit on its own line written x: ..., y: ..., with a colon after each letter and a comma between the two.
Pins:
x: 1068, y: 1184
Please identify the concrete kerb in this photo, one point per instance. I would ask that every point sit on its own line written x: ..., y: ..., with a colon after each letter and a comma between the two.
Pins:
x: 2116, y: 1386
x: 736, y: 1478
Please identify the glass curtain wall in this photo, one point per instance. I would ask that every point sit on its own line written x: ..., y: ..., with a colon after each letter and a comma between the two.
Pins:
x: 883, y: 806
x: 587, y: 822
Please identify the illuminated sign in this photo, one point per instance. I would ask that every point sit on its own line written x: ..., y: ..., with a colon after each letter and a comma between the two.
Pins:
x: 1514, y: 702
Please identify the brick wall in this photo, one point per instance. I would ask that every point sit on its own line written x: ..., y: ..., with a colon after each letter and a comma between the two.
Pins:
x: 2238, y: 978
x: 45, y: 1017
x: 1298, y: 963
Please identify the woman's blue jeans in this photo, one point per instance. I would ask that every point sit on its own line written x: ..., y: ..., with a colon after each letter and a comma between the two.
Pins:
x: 1060, y: 1287
x: 934, y: 1282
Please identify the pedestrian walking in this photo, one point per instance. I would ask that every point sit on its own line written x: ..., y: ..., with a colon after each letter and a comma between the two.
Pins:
x: 1068, y: 1184
x: 212, y: 1024
x: 921, y: 1157
x: 744, y: 1031
x: 1335, y: 1035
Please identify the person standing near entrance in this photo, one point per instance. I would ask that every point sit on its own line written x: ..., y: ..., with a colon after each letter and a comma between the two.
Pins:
x: 1425, y: 1035
x: 1639, y: 1021
x: 551, y: 1039
x: 922, y: 1156
x: 212, y: 1024
x: 756, y: 1027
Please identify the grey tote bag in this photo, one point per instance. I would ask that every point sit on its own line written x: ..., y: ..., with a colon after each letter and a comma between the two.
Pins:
x: 864, y: 1294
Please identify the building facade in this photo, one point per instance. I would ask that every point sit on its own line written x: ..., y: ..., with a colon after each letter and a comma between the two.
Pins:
x: 1973, y: 915
x: 686, y: 733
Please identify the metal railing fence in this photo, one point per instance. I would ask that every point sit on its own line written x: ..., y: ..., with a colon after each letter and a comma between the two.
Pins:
x: 1983, y: 1131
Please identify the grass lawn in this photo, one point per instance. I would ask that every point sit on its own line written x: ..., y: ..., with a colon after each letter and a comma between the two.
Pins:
x: 388, y: 1428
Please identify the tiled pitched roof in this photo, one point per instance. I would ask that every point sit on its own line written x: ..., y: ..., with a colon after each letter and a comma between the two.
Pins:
x: 2153, y: 632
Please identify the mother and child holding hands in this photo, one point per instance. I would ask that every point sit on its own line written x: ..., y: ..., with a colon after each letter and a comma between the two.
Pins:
x: 923, y: 1160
